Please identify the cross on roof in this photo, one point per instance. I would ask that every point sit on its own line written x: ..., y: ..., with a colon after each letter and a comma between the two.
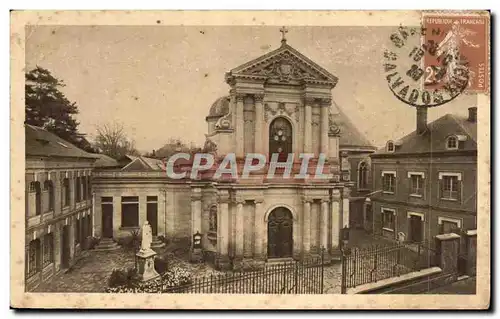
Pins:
x: 283, y: 31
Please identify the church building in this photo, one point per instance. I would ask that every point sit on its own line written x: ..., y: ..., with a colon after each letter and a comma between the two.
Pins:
x: 279, y: 103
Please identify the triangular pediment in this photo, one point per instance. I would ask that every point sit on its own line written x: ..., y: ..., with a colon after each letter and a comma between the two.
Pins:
x: 285, y: 64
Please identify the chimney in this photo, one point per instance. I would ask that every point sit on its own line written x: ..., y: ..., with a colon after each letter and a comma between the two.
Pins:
x: 472, y: 114
x: 421, y: 119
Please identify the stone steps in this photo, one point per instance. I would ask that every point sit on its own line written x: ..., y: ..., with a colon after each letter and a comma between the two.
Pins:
x: 106, y: 244
x: 156, y: 243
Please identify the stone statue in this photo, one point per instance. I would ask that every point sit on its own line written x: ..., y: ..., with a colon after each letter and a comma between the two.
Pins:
x: 147, y: 236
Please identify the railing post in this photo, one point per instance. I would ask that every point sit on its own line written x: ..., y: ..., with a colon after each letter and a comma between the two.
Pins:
x: 322, y: 268
x: 343, y: 281
x: 296, y: 274
x: 375, y: 262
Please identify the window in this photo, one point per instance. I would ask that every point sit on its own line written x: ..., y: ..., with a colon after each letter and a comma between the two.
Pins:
x: 36, y: 188
x: 363, y: 175
x: 390, y: 146
x: 33, y: 258
x: 388, y: 219
x: 450, y: 186
x: 49, y: 186
x: 66, y: 192
x: 416, y: 184
x: 48, y: 249
x: 78, y: 189
x: 388, y: 182
x: 448, y: 225
x: 212, y: 219
x: 130, y: 211
x: 452, y: 142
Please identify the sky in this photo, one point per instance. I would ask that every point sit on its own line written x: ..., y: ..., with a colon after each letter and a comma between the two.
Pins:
x: 160, y: 81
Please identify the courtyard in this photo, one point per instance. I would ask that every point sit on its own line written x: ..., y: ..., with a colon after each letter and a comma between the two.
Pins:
x: 93, y: 268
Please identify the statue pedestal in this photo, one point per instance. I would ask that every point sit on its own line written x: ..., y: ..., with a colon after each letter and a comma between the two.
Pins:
x: 196, y: 255
x: 146, y: 265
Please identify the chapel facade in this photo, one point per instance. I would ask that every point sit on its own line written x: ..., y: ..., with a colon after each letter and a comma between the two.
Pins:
x: 278, y: 103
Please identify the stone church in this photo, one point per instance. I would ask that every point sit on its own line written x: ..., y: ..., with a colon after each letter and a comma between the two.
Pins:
x: 280, y: 103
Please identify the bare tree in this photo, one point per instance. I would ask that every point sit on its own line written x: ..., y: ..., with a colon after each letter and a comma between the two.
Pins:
x: 112, y: 140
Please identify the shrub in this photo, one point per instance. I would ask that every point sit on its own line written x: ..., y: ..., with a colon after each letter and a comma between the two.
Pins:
x: 122, y: 278
x: 161, y: 265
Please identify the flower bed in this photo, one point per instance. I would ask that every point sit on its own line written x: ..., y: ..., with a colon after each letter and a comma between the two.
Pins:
x: 171, y: 277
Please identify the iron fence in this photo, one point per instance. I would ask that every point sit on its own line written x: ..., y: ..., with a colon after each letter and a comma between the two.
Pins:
x: 293, y: 277
x: 366, y: 265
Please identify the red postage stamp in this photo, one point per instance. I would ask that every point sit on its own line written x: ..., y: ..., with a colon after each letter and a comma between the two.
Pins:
x: 455, y: 39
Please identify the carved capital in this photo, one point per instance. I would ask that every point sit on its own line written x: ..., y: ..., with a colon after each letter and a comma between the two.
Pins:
x: 346, y: 192
x: 306, y: 199
x: 259, y: 201
x: 309, y: 100
x: 326, y: 102
x: 258, y: 97
x: 240, y: 97
x: 324, y: 200
x: 239, y: 201
x: 335, y: 195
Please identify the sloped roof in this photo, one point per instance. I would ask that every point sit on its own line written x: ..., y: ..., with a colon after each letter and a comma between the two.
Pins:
x: 40, y: 142
x: 143, y: 163
x: 434, y: 139
x: 350, y: 136
x: 106, y: 161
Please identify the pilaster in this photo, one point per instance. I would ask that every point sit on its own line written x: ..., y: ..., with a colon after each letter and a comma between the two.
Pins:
x: 335, y: 216
x: 325, y: 106
x: 239, y: 127
x: 195, y: 212
x: 307, y: 124
x: 260, y: 230
x: 345, y: 206
x: 258, y: 98
x: 306, y: 226
x: 222, y: 261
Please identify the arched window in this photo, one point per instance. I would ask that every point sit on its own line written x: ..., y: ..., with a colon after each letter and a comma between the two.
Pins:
x: 363, y: 175
x: 390, y: 146
x: 280, y: 138
x: 212, y: 219
x: 452, y: 142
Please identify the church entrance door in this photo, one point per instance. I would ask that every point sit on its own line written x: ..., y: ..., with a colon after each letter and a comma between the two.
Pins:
x: 280, y: 233
x: 280, y: 138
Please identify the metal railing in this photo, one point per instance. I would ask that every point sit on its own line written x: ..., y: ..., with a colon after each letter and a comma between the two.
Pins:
x: 366, y: 265
x: 294, y: 277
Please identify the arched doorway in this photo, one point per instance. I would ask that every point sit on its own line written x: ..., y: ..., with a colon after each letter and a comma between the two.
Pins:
x: 280, y: 138
x: 280, y: 233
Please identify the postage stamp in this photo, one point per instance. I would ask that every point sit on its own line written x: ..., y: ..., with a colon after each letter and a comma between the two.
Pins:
x: 463, y: 36
x: 250, y: 160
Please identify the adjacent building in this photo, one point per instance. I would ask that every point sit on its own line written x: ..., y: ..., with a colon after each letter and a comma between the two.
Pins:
x: 58, y: 203
x: 425, y: 184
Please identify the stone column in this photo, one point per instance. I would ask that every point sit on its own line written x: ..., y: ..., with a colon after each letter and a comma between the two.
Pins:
x: 306, y: 227
x: 258, y: 123
x: 195, y: 212
x: 239, y: 127
x: 345, y: 207
x: 222, y: 261
x: 324, y: 224
x: 325, y: 106
x: 93, y: 230
x: 260, y: 232
x: 447, y: 247
x: 142, y: 210
x: 117, y: 214
x: 335, y: 216
x: 240, y: 229
x: 308, y: 125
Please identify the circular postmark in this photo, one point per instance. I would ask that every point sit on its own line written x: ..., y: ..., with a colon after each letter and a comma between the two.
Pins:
x: 415, y: 81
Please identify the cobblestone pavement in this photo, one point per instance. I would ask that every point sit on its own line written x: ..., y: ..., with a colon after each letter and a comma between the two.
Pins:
x: 90, y: 273
x: 332, y: 278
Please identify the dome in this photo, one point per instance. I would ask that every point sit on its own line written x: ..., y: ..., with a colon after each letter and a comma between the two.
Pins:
x: 220, y: 107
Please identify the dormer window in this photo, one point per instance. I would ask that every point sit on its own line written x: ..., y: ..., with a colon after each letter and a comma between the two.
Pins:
x: 390, y: 146
x: 452, y: 142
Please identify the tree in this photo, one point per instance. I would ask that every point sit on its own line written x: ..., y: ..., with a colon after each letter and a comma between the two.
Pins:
x: 112, y: 141
x: 48, y: 107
